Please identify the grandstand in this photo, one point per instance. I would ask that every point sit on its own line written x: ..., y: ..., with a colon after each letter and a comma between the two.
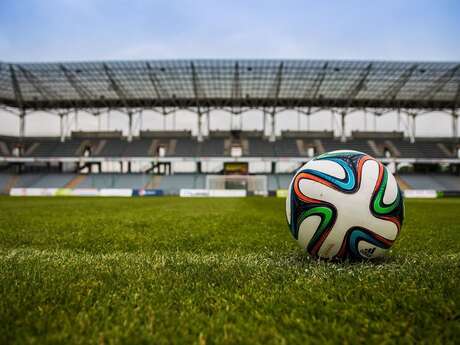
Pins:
x: 151, y: 159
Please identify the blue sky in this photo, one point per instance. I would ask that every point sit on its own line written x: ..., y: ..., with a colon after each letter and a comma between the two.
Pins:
x: 69, y: 30
x: 51, y: 30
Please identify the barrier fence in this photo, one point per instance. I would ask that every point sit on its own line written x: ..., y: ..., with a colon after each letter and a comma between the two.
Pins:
x: 190, y: 193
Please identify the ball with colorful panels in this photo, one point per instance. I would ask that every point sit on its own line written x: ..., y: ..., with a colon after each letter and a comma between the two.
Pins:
x: 344, y: 205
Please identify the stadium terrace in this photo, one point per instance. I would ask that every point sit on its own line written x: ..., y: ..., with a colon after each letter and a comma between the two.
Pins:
x: 233, y: 85
x: 202, y: 86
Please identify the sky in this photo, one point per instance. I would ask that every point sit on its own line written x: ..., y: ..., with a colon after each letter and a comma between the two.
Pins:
x: 73, y: 30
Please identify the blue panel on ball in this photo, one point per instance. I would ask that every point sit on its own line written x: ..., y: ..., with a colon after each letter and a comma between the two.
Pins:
x: 348, y: 183
x: 358, y: 235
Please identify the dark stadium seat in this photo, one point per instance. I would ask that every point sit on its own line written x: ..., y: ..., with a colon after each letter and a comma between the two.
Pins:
x: 50, y: 147
x: 286, y: 147
x: 212, y: 148
x: 68, y: 148
x: 185, y: 147
x: 5, y: 147
x: 419, y: 149
x: 41, y: 148
x: 260, y: 147
x: 139, y: 147
x: 361, y: 145
x: 113, y: 148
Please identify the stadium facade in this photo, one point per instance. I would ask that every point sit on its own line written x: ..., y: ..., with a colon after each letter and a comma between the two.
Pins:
x: 87, y: 159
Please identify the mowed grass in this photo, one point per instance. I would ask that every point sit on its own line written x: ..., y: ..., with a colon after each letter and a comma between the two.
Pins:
x: 207, y: 271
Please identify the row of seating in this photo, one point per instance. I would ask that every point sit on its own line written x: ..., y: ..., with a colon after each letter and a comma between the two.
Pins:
x: 440, y: 182
x: 172, y: 184
x: 221, y: 147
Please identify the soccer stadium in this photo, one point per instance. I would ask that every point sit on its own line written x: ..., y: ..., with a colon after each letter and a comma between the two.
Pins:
x: 185, y: 232
x: 150, y: 162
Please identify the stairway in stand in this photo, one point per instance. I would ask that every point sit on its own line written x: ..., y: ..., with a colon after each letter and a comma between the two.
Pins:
x: 153, y: 183
x: 402, y: 184
x: 11, y: 183
x: 75, y: 181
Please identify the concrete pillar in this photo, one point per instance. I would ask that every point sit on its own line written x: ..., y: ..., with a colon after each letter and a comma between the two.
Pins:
x: 200, y: 126
x: 273, y: 126
x: 413, y: 128
x: 365, y: 120
x: 141, y: 120
x: 264, y: 124
x: 76, y: 119
x: 343, y: 136
x: 454, y: 124
x: 130, y: 126
x: 332, y: 122
x: 61, y: 129
x: 108, y: 120
x: 22, y: 123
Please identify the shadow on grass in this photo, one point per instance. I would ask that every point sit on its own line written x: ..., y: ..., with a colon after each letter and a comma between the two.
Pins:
x: 304, y: 259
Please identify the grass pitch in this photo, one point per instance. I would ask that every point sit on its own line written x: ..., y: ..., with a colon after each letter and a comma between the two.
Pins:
x: 205, y: 271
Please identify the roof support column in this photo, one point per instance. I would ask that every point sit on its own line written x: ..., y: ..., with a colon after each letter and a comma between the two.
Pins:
x: 200, y: 125
x: 365, y: 120
x: 343, y: 137
x: 208, y: 121
x: 130, y: 126
x: 76, y: 119
x: 398, y: 120
x: 412, y: 126
x: 454, y: 124
x: 22, y: 123
x: 108, y: 120
x: 308, y: 121
x: 264, y: 122
x: 273, y: 126
x: 141, y: 120
x: 332, y: 122
x: 61, y: 128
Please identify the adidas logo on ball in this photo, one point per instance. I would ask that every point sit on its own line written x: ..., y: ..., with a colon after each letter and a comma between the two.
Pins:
x: 367, y: 252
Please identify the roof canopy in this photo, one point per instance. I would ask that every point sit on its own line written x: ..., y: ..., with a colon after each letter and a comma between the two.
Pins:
x: 230, y: 83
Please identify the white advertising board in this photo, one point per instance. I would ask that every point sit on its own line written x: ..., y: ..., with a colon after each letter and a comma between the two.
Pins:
x: 125, y: 192
x: 420, y: 193
x: 116, y: 192
x: 33, y: 191
x: 84, y: 192
x: 217, y: 193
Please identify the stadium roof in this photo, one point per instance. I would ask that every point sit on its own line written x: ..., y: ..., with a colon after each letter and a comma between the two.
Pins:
x: 230, y: 83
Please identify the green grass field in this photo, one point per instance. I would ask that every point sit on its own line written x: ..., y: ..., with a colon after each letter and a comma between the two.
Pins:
x: 205, y: 271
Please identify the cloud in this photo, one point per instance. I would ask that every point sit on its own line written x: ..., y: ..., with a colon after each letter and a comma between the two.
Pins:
x: 52, y: 30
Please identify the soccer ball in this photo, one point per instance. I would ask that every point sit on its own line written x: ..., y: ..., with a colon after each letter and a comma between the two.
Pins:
x: 344, y: 204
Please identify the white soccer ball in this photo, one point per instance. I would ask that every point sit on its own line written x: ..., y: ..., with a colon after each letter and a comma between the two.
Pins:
x: 344, y: 204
